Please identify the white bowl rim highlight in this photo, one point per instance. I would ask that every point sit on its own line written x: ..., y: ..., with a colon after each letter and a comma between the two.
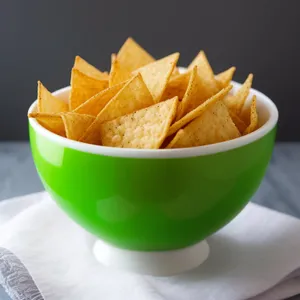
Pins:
x: 164, y: 153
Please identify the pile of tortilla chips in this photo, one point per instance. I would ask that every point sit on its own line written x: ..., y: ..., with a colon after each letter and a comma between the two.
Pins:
x: 146, y: 103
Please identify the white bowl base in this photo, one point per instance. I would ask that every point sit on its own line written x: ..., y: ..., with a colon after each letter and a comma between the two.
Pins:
x: 157, y: 263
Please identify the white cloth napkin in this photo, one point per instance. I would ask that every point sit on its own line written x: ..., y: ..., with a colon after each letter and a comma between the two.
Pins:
x: 256, y: 255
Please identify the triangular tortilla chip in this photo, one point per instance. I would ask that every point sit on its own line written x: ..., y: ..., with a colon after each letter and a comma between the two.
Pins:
x: 239, y: 123
x: 76, y: 124
x: 175, y: 72
x: 156, y: 75
x: 199, y: 110
x: 213, y: 126
x: 132, y: 97
x: 253, y: 117
x: 177, y: 138
x: 195, y: 94
x: 118, y: 72
x: 236, y: 102
x: 84, y: 87
x: 144, y: 129
x: 224, y: 78
x: 52, y: 122
x: 47, y: 103
x: 95, y: 104
x: 176, y: 86
x: 205, y: 72
x: 132, y: 56
x: 84, y: 67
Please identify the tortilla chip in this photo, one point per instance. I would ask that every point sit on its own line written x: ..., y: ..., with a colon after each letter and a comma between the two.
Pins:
x: 205, y: 72
x: 228, y: 98
x: 253, y: 117
x: 84, y: 87
x: 178, y: 136
x: 156, y: 75
x: 52, y: 122
x: 84, y: 67
x: 239, y: 123
x: 175, y: 72
x: 195, y: 94
x: 47, y: 103
x: 236, y: 102
x: 113, y: 57
x: 213, y: 126
x: 177, y: 86
x: 144, y: 129
x: 76, y: 124
x: 132, y: 97
x: 167, y: 140
x: 225, y: 77
x: 95, y: 104
x: 118, y: 72
x: 132, y: 56
x: 199, y: 110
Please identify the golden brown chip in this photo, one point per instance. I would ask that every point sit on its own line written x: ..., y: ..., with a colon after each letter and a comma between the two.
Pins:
x: 156, y: 75
x: 213, y: 126
x: 52, y: 122
x: 224, y: 78
x: 132, y: 97
x: 167, y: 141
x: 118, y: 72
x: 239, y: 123
x: 144, y: 129
x: 198, y: 111
x: 177, y: 86
x: 175, y: 72
x: 84, y: 87
x: 178, y: 136
x: 76, y: 124
x: 113, y: 57
x: 95, y: 104
x: 236, y: 102
x: 253, y: 117
x: 132, y: 56
x: 47, y: 103
x: 84, y: 67
x: 148, y: 104
x: 195, y: 94
x: 205, y: 72
x: 228, y: 98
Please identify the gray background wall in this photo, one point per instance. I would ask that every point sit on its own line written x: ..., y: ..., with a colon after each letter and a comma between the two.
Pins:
x: 39, y: 40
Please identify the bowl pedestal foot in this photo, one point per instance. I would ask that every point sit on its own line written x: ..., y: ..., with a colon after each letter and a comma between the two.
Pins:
x: 157, y: 263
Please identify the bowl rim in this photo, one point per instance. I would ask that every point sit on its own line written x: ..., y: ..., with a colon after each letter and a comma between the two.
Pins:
x: 164, y: 153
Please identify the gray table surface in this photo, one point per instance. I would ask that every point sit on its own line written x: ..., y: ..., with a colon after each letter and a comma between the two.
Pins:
x: 280, y: 189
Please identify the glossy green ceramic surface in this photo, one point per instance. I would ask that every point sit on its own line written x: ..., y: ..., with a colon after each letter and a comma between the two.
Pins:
x: 151, y: 204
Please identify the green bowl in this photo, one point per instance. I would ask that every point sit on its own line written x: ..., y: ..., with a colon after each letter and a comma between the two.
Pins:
x: 152, y: 200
